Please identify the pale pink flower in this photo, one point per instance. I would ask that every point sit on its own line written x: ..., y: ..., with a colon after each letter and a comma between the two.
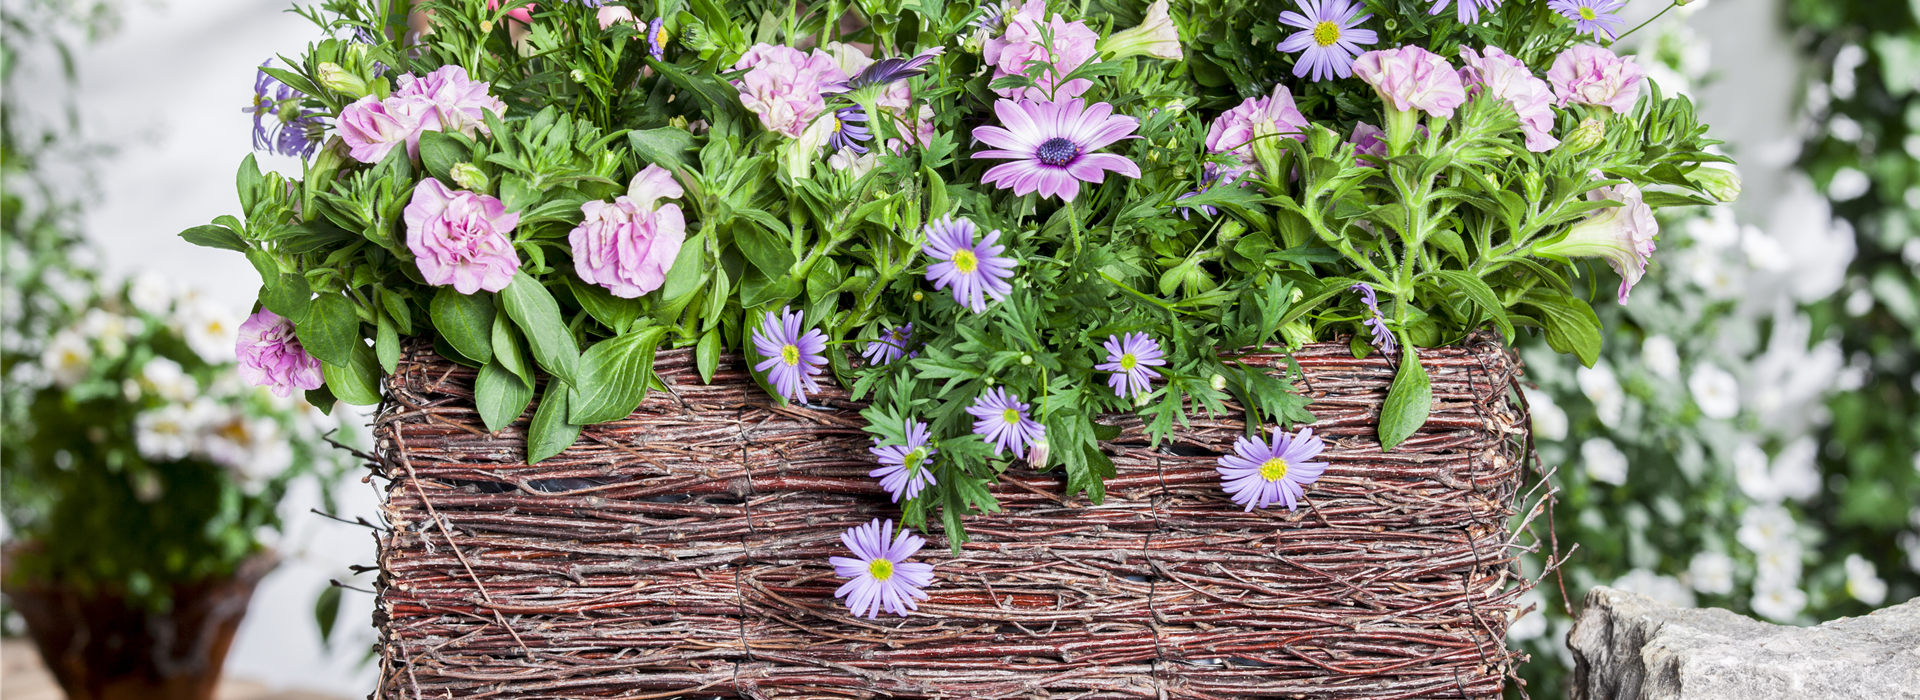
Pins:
x: 459, y: 238
x: 457, y: 100
x: 1506, y: 78
x: 271, y: 356
x: 1411, y: 78
x: 1051, y: 146
x: 371, y: 127
x: 610, y: 15
x: 1369, y: 144
x: 782, y: 86
x: 628, y: 246
x: 1591, y: 75
x: 1234, y: 131
x: 1622, y: 235
x: 1074, y: 44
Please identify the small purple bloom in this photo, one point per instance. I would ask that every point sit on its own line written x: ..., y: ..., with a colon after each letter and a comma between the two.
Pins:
x: 1130, y: 359
x: 460, y: 238
x: 906, y: 469
x: 793, y: 358
x: 887, y: 71
x: 291, y: 131
x: 1597, y: 17
x: 1052, y: 146
x: 1212, y: 175
x: 881, y: 577
x: 1258, y: 474
x: 847, y: 132
x: 272, y: 357
x: 976, y: 271
x: 1329, y: 37
x: 890, y: 346
x: 1382, y: 337
x: 1468, y: 11
x: 1004, y: 422
x: 657, y: 38
x: 1369, y: 145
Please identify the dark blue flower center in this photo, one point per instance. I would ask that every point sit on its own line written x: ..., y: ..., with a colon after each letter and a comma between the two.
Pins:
x: 1058, y: 151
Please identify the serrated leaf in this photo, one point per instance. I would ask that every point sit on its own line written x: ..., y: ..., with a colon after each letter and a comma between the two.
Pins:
x: 1409, y: 400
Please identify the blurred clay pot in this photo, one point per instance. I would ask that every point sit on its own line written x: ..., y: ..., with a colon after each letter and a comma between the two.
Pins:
x: 101, y: 648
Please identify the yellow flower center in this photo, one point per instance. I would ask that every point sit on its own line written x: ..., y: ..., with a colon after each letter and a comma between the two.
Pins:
x: 1012, y: 416
x: 880, y: 569
x: 837, y: 124
x: 1274, y: 470
x: 1326, y: 33
x: 1587, y: 13
x: 914, y: 459
x: 1128, y: 361
x: 965, y: 262
x: 660, y: 37
x: 790, y: 354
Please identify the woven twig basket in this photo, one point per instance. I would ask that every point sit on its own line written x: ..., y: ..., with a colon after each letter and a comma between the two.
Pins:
x: 682, y: 552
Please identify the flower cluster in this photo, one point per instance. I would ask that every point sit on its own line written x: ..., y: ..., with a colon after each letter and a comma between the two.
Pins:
x: 444, y: 100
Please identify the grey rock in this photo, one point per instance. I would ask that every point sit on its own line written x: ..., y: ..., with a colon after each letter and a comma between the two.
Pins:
x: 1628, y: 647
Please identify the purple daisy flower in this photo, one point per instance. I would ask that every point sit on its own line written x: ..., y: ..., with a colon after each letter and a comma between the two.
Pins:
x: 793, y: 358
x: 882, y: 578
x: 887, y: 71
x: 1382, y: 337
x: 1212, y: 175
x: 657, y: 38
x: 1004, y: 422
x: 890, y: 346
x: 1258, y: 474
x: 1052, y: 146
x: 906, y: 469
x: 976, y: 271
x: 1329, y: 37
x: 1468, y: 11
x: 1130, y: 359
x: 847, y: 132
x: 279, y: 126
x: 1596, y: 17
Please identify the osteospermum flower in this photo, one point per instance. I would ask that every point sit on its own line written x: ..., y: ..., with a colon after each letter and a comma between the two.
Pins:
x: 906, y: 469
x: 1382, y: 337
x: 1596, y: 17
x: 847, y: 130
x: 1004, y: 422
x: 793, y: 358
x: 975, y: 270
x: 1131, y: 360
x: 890, y: 346
x: 881, y: 577
x: 1260, y: 474
x: 1329, y: 37
x: 1052, y: 146
x: 1623, y: 235
x: 1468, y: 11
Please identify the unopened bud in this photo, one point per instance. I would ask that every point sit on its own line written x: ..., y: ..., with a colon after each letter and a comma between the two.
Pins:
x: 1720, y: 183
x: 469, y: 177
x: 1038, y: 452
x: 676, y: 121
x: 1589, y: 134
x: 1026, y: 359
x: 988, y: 380
x: 579, y: 76
x: 1141, y: 399
x: 1219, y: 382
x: 917, y: 296
x: 341, y: 81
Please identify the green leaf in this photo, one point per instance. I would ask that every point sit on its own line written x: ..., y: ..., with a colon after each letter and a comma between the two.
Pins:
x: 1482, y: 296
x: 550, y: 433
x: 613, y: 312
x: 440, y: 152
x: 1571, y: 324
x: 706, y: 357
x: 1408, y: 401
x: 500, y: 396
x: 506, y: 350
x: 289, y: 296
x: 214, y: 236
x: 1070, y: 437
x: 466, y: 322
x: 765, y: 249
x: 330, y: 331
x: 688, y: 269
x: 614, y: 376
x: 668, y: 147
x: 358, y: 381
x: 386, y: 344
x: 538, y: 315
x: 326, y: 611
x: 323, y: 399
x: 516, y: 193
x: 248, y: 181
x: 291, y: 79
x: 396, y: 305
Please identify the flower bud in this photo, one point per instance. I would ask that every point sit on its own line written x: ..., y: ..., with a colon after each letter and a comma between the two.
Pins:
x: 1025, y: 359
x: 676, y: 121
x: 1141, y: 399
x: 919, y: 296
x: 469, y: 177
x: 579, y: 76
x: 1589, y: 134
x: 341, y: 81
x: 1721, y: 183
x: 988, y: 380
x: 1218, y: 382
x: 1269, y: 152
x: 1038, y: 452
x: 1156, y: 37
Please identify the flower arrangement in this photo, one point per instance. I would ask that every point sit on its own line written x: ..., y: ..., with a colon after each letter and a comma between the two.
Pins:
x: 1004, y: 207
x: 140, y: 457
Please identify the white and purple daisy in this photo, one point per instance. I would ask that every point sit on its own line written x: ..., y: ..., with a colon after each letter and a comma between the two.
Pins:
x: 1329, y: 37
x: 1597, y: 17
x: 1131, y: 359
x: 975, y: 270
x: 906, y: 469
x: 890, y: 346
x: 1468, y: 11
x: 847, y: 130
x: 881, y: 577
x: 1004, y: 422
x: 1259, y: 474
x: 1052, y: 146
x: 793, y: 358
x: 1382, y: 337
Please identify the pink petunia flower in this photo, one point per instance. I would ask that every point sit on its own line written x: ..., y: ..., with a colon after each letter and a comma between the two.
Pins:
x: 271, y: 356
x: 1074, y: 44
x: 1052, y: 146
x: 1234, y: 131
x: 457, y: 100
x: 628, y: 246
x: 371, y: 127
x: 782, y: 86
x: 1622, y: 235
x: 1506, y: 78
x: 459, y: 238
x: 1412, y: 78
x: 1590, y: 75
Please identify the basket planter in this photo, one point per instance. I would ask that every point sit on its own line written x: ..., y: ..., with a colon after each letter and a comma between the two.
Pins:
x: 683, y: 552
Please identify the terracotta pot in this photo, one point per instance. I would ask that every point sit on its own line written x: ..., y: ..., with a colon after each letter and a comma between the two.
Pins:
x: 101, y: 648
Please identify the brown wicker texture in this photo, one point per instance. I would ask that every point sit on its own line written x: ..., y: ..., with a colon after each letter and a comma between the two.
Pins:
x: 689, y: 557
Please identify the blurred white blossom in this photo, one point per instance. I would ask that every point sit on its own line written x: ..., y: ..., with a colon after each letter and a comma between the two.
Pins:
x: 1661, y: 357
x: 1796, y: 470
x: 1864, y: 582
x: 1848, y: 184
x: 1604, y: 461
x: 1753, y: 474
x: 210, y: 329
x: 1711, y: 572
x: 167, y: 433
x: 1661, y: 588
x: 1779, y: 561
x: 1549, y: 422
x: 1715, y: 391
x: 151, y: 293
x: 67, y: 358
x: 168, y: 381
x: 1530, y: 624
x: 1778, y: 602
x: 1603, y: 389
x: 1764, y: 525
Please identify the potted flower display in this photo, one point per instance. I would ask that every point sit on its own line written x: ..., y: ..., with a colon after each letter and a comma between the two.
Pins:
x: 143, y: 470
x: 1178, y: 327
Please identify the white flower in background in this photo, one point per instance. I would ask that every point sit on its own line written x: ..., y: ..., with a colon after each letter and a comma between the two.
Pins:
x: 168, y: 381
x: 1718, y: 230
x: 1763, y: 526
x: 1818, y: 246
x: 68, y: 358
x: 109, y: 330
x: 1779, y: 562
x: 1715, y: 391
x: 1549, y: 422
x: 1789, y: 381
x: 167, y: 433
x: 1662, y: 588
x: 1848, y: 184
x: 1710, y: 270
x: 1910, y: 542
x: 308, y: 421
x: 1796, y: 471
x: 1864, y: 582
x: 253, y: 448
x: 1661, y: 357
x: 1765, y: 253
x: 1711, y: 572
x: 211, y: 330
x: 1603, y: 389
x: 151, y: 293
x: 1531, y: 624
x: 1604, y: 462
x: 1779, y: 602
x: 1751, y: 472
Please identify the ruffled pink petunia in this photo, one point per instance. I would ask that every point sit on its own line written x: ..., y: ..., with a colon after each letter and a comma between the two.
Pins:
x: 1074, y: 44
x: 628, y: 246
x: 459, y: 238
x: 271, y: 356
x: 371, y: 127
x: 1234, y: 131
x: 1412, y: 78
x: 1506, y: 78
x: 458, y: 101
x: 1590, y: 75
x: 782, y: 86
x: 1052, y: 144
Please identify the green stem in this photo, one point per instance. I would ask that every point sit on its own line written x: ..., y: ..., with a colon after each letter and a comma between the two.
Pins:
x: 1650, y: 20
